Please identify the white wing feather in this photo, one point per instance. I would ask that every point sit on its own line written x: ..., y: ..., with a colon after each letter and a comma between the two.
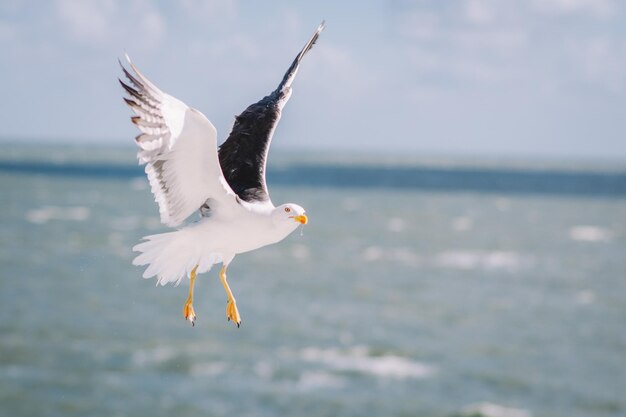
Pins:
x: 178, y: 144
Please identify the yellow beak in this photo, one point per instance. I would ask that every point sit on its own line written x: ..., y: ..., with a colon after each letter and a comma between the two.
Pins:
x: 302, y: 219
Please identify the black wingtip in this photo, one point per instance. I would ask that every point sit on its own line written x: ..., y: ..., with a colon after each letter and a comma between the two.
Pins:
x: 290, y: 74
x: 322, y: 26
x: 313, y: 39
x: 124, y: 85
x: 130, y: 90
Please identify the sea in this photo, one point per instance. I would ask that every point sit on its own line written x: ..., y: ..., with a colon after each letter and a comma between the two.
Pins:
x: 422, y: 286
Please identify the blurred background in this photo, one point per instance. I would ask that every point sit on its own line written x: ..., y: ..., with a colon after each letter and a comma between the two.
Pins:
x: 463, y: 165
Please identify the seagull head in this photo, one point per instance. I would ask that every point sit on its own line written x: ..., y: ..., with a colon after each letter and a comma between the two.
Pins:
x: 290, y: 214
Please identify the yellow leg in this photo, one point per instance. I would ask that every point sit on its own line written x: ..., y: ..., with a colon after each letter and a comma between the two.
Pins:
x: 231, y: 305
x: 188, y: 311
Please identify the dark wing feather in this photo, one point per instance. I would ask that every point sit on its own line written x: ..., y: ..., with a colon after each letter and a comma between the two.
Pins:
x: 243, y: 156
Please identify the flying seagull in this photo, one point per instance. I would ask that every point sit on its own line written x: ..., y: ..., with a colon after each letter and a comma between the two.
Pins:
x: 227, y: 187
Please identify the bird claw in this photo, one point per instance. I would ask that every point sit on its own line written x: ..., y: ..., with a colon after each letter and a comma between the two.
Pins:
x: 232, y: 313
x: 190, y: 314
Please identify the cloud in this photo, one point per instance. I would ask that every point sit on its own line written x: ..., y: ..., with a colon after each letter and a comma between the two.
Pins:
x: 477, y: 48
x: 87, y: 20
x: 214, y: 11
x: 597, y: 8
x: 152, y: 26
x: 600, y: 61
x: 549, y: 68
x: 8, y: 31
x: 530, y: 42
x: 418, y: 24
x: 496, y: 40
x: 479, y: 11
x: 100, y: 21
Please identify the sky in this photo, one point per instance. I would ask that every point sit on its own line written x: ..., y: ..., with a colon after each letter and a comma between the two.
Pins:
x: 543, y: 78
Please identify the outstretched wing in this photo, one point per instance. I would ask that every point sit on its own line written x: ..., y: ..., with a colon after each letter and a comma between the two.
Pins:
x: 243, y: 156
x: 178, y: 144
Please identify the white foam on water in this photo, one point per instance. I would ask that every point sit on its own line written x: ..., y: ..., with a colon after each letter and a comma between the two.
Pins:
x: 503, y: 204
x: 486, y: 260
x: 311, y: 380
x: 358, y: 359
x: 45, y: 214
x: 462, y: 224
x: 300, y: 252
x: 585, y: 297
x: 350, y: 204
x: 147, y: 357
x: 125, y: 223
x: 590, y: 234
x: 396, y: 224
x: 264, y: 369
x: 396, y: 255
x: 458, y: 260
x: 503, y: 260
x: 208, y: 368
x: 373, y: 254
x: 486, y: 409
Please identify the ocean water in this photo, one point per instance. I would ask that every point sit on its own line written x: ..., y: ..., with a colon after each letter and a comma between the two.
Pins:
x: 417, y: 289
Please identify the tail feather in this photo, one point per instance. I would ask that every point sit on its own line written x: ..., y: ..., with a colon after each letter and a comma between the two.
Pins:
x: 172, y: 256
x: 293, y: 69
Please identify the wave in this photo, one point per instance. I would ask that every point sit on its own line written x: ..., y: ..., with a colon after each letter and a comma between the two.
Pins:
x: 358, y: 359
x: 462, y: 224
x: 319, y: 379
x: 585, y: 297
x: 485, y: 260
x: 47, y: 213
x: 590, y: 234
x: 155, y: 356
x: 396, y: 224
x: 487, y: 409
x: 210, y: 369
x: 401, y: 255
x: 451, y: 259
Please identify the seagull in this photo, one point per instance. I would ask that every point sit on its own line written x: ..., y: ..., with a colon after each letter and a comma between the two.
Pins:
x: 226, y: 186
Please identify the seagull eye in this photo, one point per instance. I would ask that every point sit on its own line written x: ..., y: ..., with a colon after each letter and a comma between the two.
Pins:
x: 287, y: 209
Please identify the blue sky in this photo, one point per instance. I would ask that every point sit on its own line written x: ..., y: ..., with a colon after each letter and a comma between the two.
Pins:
x: 528, y: 77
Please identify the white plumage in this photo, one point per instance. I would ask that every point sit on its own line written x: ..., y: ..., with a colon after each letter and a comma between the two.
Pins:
x: 188, y: 174
x: 179, y: 147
